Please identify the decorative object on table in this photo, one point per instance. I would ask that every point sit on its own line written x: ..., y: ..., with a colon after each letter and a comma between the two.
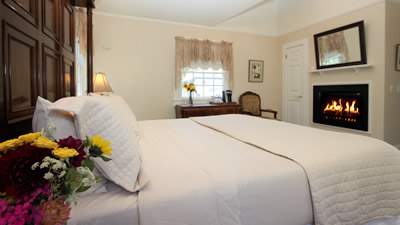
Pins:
x: 256, y: 70
x: 40, y: 178
x: 223, y: 96
x: 100, y: 84
x: 229, y: 95
x: 212, y: 100
x: 397, y: 57
x: 190, y: 88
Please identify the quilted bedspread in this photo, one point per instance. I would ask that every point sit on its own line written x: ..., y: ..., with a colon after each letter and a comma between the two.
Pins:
x: 353, y: 178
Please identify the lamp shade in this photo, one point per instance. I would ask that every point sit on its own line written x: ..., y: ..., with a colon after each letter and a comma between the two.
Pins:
x: 100, y: 83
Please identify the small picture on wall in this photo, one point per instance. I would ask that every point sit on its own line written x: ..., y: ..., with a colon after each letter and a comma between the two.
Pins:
x: 256, y: 70
x: 398, y: 57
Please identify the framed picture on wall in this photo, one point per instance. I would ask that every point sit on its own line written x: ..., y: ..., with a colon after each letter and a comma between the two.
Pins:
x: 256, y: 70
x: 398, y: 57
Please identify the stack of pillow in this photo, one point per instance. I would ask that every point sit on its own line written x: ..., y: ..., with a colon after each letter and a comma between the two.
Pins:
x: 107, y: 116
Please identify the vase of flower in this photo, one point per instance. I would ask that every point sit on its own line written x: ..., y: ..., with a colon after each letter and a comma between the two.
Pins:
x: 190, y: 98
x: 190, y: 88
x: 40, y: 178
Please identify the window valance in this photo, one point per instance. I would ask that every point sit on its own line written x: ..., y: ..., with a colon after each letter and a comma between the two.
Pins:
x: 193, y: 52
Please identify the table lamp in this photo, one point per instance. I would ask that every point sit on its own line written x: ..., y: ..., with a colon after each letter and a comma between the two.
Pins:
x: 100, y: 83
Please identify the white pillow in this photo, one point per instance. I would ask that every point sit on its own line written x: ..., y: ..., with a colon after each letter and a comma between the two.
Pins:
x: 63, y: 121
x: 112, y: 119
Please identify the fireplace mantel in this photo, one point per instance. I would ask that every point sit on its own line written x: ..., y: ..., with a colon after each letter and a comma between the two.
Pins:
x: 355, y: 68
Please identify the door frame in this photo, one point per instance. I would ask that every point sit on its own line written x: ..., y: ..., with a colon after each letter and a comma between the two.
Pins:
x: 305, y: 76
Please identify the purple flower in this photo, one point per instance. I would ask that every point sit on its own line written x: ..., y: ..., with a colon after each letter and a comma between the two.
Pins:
x: 3, y: 206
x: 36, y: 215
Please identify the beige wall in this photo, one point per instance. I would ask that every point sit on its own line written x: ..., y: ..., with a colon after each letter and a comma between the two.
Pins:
x: 392, y: 99
x: 140, y: 64
x: 374, y: 21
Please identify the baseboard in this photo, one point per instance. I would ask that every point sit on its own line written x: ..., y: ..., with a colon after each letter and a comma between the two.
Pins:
x: 397, y: 146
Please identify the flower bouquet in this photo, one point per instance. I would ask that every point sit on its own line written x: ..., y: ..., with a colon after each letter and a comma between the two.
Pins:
x: 190, y: 88
x: 40, y: 178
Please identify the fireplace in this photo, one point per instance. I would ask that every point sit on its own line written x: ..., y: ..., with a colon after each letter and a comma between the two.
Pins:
x: 341, y: 105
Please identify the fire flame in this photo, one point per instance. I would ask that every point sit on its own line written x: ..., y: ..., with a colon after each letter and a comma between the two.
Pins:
x: 337, y: 108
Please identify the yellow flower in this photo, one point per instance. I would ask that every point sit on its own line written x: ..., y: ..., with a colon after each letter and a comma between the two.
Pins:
x: 10, y: 144
x: 29, y: 138
x: 43, y: 142
x: 188, y: 88
x: 65, y: 152
x: 191, y: 84
x: 102, y: 144
x: 185, y: 85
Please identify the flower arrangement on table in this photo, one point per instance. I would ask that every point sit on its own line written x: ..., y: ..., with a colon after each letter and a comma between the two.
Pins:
x: 40, y: 178
x: 190, y: 88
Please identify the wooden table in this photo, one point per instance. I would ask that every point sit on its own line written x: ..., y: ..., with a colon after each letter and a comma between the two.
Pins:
x: 185, y: 111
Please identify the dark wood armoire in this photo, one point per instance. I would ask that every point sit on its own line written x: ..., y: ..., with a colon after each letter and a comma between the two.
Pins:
x: 38, y: 59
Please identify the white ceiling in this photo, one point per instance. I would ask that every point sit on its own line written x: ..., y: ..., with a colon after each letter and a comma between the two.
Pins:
x: 264, y: 17
x: 198, y: 12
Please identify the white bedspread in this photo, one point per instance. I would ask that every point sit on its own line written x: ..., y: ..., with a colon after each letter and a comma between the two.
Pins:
x: 117, y: 206
x: 353, y: 178
x: 201, y: 177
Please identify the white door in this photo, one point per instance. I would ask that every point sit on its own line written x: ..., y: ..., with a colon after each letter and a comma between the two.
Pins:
x: 295, y: 83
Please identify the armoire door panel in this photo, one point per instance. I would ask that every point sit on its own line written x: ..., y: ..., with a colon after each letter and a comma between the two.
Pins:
x: 51, y: 74
x: 68, y: 78
x: 51, y: 21
x: 27, y: 9
x: 21, y: 72
x: 68, y: 27
x: 2, y: 88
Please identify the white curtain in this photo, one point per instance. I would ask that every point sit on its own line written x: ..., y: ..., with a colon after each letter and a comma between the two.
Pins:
x: 333, y: 44
x: 195, y: 53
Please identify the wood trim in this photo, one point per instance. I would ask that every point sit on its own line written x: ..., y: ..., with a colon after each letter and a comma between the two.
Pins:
x: 89, y: 49
x: 71, y: 64
x: 2, y: 78
x: 55, y: 35
x: 13, y: 34
x: 68, y: 46
x: 46, y: 51
x: 83, y: 3
x: 30, y: 16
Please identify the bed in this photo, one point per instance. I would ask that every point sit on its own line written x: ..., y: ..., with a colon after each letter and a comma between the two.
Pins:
x: 237, y: 169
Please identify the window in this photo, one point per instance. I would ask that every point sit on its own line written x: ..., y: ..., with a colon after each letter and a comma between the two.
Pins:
x: 208, y: 82
x: 334, y: 58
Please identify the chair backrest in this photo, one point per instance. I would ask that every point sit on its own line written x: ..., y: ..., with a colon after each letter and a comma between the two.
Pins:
x: 250, y: 103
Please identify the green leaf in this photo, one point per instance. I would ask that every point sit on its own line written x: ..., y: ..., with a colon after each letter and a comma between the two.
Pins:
x: 105, y: 158
x: 83, y: 188
x: 87, y: 142
x: 88, y: 163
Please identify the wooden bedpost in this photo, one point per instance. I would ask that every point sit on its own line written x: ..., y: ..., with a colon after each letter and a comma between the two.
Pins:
x: 90, y: 48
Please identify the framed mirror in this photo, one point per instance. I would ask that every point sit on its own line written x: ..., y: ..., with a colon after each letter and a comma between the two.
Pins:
x: 343, y: 46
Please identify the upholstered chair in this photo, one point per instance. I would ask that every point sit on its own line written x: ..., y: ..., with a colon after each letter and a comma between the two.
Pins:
x: 250, y: 103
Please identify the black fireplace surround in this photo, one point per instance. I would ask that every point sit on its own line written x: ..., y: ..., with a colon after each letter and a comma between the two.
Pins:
x: 341, y: 105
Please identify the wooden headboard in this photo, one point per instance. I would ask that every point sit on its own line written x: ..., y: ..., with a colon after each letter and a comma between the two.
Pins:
x: 38, y: 57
